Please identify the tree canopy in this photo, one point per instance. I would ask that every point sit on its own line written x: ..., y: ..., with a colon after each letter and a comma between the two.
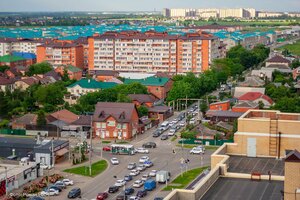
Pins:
x: 39, y: 68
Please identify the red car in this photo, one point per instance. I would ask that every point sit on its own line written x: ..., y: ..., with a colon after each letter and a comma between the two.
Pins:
x: 102, y: 196
x: 107, y: 148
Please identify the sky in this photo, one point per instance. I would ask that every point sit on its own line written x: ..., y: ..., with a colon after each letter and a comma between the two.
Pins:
x: 143, y: 5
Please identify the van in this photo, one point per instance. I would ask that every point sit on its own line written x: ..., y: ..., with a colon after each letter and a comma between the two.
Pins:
x: 162, y: 176
x: 165, y: 124
x: 24, y: 160
x: 150, y: 185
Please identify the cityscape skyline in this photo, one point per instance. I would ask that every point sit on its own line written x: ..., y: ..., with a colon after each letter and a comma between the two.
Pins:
x: 138, y: 5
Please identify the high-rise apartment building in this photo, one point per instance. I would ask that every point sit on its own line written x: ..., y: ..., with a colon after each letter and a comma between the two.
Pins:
x: 61, y: 53
x: 133, y: 51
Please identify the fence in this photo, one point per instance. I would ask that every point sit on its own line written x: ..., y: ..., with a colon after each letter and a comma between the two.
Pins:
x: 13, y: 131
x: 204, y: 141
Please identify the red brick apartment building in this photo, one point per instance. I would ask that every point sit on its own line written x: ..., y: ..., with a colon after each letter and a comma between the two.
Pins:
x: 61, y: 53
x: 152, y: 52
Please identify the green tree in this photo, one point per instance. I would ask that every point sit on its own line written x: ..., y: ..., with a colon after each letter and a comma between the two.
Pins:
x: 203, y: 107
x: 180, y: 89
x: 39, y: 68
x: 261, y: 105
x: 41, y: 118
x: 3, y: 68
x: 142, y: 111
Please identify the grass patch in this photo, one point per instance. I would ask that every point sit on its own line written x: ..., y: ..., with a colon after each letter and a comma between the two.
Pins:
x: 293, y: 48
x: 97, y: 168
x: 122, y: 142
x: 173, y: 138
x: 182, y: 181
x: 106, y: 142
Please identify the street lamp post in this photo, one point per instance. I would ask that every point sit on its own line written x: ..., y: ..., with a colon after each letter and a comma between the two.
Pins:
x: 6, y: 192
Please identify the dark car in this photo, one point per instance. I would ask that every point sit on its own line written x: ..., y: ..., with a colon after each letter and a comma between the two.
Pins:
x: 158, y: 198
x: 127, y: 178
x: 121, y: 197
x: 55, y: 188
x: 113, y: 189
x: 129, y: 191
x: 102, y: 196
x: 74, y: 193
x: 164, y: 137
x: 141, y: 193
x: 157, y: 133
x: 149, y: 145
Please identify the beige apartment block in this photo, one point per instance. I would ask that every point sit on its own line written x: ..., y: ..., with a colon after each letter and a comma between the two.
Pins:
x: 267, y: 133
x: 292, y: 176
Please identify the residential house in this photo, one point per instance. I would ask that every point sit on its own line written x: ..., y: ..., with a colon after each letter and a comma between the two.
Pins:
x: 56, y: 76
x: 72, y: 71
x: 239, y: 91
x: 244, y: 106
x: 24, y: 83
x: 221, y: 115
x: 104, y: 75
x: 263, y: 73
x: 157, y: 86
x: 115, y: 120
x: 278, y: 62
x: 160, y: 113
x: 30, y: 57
x: 12, y: 61
x: 143, y: 99
x: 13, y: 73
x: 6, y: 84
x: 257, y: 97
x: 252, y: 81
x: 222, y: 105
x: 63, y: 115
x: 84, y: 122
x: 85, y: 86
x: 27, y: 119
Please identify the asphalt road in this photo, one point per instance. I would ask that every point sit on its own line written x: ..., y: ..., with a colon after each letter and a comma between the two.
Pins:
x: 162, y: 157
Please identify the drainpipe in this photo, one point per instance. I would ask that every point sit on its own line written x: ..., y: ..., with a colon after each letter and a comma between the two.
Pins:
x: 279, y: 144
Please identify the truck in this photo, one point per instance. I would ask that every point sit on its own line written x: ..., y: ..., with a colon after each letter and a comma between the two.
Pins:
x: 162, y: 176
x: 150, y: 185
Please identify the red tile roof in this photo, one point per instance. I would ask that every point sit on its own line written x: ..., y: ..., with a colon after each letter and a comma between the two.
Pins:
x: 252, y: 96
x: 63, y: 115
x: 278, y: 59
x: 5, y: 81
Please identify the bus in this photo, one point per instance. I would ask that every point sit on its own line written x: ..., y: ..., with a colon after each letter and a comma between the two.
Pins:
x: 122, y: 149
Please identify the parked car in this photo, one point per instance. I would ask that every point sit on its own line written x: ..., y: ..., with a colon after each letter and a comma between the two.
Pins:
x: 153, y: 173
x: 114, y: 161
x: 141, y: 167
x: 67, y: 181
x: 134, y: 172
x: 49, y: 192
x: 141, y: 150
x: 192, y: 121
x: 157, y: 133
x: 141, y: 193
x: 149, y: 145
x: 127, y: 178
x: 106, y: 148
x: 134, y: 198
x: 172, y: 132
x: 36, y: 198
x: 121, y: 197
x: 60, y: 184
x: 196, y: 150
x: 182, y: 123
x: 201, y: 146
x: 120, y: 183
x: 148, y: 164
x: 144, y: 159
x: 74, y: 193
x: 55, y: 188
x: 175, y: 121
x: 131, y: 166
x: 129, y: 191
x: 102, y: 196
x: 145, y: 177
x: 138, y: 183
x: 113, y: 189
x: 158, y: 198
x: 164, y: 137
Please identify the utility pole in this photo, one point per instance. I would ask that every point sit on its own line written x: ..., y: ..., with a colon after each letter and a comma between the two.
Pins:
x: 53, y: 156
x: 90, y: 156
x: 6, y: 192
x: 186, y: 117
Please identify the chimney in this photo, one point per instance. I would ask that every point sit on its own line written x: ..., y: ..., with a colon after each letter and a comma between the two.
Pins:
x: 38, y: 138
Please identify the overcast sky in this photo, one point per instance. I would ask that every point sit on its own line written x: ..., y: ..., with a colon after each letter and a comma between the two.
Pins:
x: 142, y: 5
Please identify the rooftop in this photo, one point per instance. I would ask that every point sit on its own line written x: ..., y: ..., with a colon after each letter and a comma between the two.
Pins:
x: 93, y: 84
x: 73, y: 68
x: 10, y: 58
x: 278, y: 59
x: 149, y: 81
x: 270, y: 114
x: 244, y: 189
x: 63, y: 115
x: 252, y: 96
x: 25, y: 55
x: 142, y: 98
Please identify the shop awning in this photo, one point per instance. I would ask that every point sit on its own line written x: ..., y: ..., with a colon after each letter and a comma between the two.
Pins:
x: 61, y: 152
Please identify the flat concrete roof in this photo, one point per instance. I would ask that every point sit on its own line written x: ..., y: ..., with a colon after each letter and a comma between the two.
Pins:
x: 244, y: 189
x: 13, y: 170
x: 243, y: 164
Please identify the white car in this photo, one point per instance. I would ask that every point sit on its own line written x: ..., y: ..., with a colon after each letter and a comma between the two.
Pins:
x: 134, y: 172
x: 114, y: 161
x: 138, y: 183
x: 144, y: 159
x: 141, y: 167
x: 145, y: 177
x: 120, y: 183
x: 134, y: 198
x: 172, y: 132
x: 193, y: 121
x: 141, y: 150
x: 196, y: 150
x: 175, y: 121
x: 182, y: 123
x: 67, y: 181
x: 153, y: 173
x: 49, y: 192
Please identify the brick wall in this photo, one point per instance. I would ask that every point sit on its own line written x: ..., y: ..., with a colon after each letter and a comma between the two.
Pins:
x: 292, y: 180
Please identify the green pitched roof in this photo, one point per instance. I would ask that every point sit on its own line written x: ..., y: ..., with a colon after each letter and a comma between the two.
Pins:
x: 73, y: 68
x: 150, y: 81
x: 92, y: 84
x: 10, y: 58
